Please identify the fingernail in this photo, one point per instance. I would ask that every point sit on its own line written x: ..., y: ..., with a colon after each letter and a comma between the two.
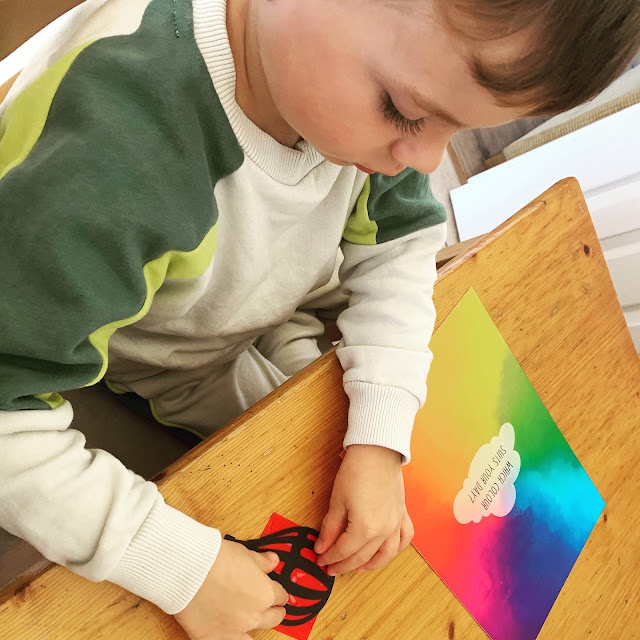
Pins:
x: 273, y: 556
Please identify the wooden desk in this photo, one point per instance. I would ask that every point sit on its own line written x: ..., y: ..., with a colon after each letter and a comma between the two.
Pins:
x: 21, y: 19
x: 544, y: 282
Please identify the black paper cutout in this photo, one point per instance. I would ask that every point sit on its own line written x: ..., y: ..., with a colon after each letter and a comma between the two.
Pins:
x: 298, y: 538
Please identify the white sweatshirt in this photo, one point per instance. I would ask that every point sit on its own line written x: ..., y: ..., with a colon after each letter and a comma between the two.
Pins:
x: 148, y: 225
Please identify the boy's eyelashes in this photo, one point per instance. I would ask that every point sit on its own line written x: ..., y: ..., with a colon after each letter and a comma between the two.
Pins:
x: 391, y: 114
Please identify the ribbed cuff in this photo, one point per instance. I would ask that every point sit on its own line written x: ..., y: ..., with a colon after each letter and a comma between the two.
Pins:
x: 381, y: 415
x: 168, y: 559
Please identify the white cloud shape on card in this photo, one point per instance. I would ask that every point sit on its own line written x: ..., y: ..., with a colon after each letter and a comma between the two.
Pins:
x: 489, y: 488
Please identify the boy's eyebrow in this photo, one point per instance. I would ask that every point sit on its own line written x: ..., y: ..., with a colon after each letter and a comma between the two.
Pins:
x: 434, y: 109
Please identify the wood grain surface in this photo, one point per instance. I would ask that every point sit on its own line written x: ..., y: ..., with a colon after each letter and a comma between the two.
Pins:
x: 543, y: 280
x: 21, y: 19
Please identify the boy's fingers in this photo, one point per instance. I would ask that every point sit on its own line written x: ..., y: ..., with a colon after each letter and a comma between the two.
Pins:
x: 272, y: 618
x: 267, y: 561
x: 385, y: 554
x: 280, y: 596
x: 345, y: 546
x: 406, y: 532
x: 357, y: 559
x: 333, y: 525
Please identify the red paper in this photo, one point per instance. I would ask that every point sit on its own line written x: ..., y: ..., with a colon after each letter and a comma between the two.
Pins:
x: 278, y: 523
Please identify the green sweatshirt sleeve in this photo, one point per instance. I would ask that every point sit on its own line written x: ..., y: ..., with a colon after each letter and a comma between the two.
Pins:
x: 100, y: 157
x: 390, y: 207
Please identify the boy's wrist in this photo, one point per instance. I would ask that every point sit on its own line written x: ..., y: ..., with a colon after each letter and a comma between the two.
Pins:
x: 380, y: 415
x: 374, y: 452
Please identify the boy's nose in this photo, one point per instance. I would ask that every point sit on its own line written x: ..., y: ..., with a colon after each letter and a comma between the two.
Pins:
x: 421, y: 153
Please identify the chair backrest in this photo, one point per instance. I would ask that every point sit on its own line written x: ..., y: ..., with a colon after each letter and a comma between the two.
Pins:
x: 21, y: 19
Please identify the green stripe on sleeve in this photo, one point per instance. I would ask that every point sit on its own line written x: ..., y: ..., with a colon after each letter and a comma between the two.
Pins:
x: 103, y: 200
x: 360, y: 229
x: 53, y: 400
x: 173, y: 264
x: 391, y: 207
x: 25, y: 117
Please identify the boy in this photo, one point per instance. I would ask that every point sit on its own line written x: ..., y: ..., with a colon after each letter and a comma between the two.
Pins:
x: 175, y: 181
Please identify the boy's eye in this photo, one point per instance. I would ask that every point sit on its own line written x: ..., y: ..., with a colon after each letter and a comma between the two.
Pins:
x: 391, y: 114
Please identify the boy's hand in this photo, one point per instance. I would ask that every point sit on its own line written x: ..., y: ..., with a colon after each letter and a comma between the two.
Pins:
x: 237, y: 596
x: 367, y: 524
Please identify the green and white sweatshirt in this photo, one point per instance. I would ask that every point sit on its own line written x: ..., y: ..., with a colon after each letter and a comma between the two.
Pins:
x: 147, y: 224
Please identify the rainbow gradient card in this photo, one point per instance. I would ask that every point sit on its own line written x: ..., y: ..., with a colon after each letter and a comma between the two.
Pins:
x: 501, y: 505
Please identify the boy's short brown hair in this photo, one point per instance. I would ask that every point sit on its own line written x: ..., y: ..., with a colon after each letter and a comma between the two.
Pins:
x: 576, y: 47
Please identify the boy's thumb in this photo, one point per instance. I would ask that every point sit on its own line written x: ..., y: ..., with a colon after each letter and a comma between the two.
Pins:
x: 268, y: 561
x: 331, y: 529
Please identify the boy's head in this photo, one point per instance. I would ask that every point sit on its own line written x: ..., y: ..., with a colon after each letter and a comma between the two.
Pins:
x: 385, y: 83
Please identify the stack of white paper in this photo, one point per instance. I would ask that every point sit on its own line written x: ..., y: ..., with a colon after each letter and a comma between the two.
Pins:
x: 605, y: 158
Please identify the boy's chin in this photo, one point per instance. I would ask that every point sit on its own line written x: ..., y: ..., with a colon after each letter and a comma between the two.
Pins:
x: 345, y: 163
x: 340, y: 163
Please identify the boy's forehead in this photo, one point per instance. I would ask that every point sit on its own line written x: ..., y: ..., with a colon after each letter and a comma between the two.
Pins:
x: 491, y: 48
x: 409, y: 51
x: 438, y: 58
x: 410, y: 7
